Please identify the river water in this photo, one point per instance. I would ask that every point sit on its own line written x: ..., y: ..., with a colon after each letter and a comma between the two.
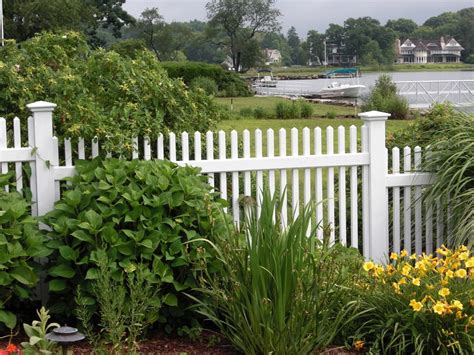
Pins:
x: 434, y: 87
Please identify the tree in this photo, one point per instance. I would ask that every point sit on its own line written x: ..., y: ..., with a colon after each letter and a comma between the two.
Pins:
x: 403, y: 27
x: 167, y: 41
x: 295, y: 45
x: 240, y: 20
x: 110, y: 14
x: 315, y: 46
x: 23, y: 19
x: 275, y: 40
x: 335, y: 34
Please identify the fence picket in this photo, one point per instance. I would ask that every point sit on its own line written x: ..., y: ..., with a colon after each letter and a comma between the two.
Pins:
x: 81, y: 149
x: 33, y: 179
x: 407, y: 202
x: 135, y: 152
x: 234, y: 141
x: 17, y: 144
x: 95, y: 148
x: 271, y: 154
x: 3, y: 145
x: 55, y: 162
x: 210, y: 154
x: 146, y: 148
x: 330, y: 184
x: 341, y: 141
x: 354, y: 194
x: 223, y: 176
x: 172, y: 138
x: 418, y: 206
x: 259, y: 174
x: 439, y: 224
x: 365, y: 197
x: 396, y: 202
x: 429, y: 229
x: 295, y: 179
x: 319, y: 184
x: 283, y: 181
x: 185, y: 146
x: 197, y: 146
x: 160, y: 148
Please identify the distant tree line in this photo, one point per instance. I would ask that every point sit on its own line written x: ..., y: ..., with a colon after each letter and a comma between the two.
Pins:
x: 236, y: 31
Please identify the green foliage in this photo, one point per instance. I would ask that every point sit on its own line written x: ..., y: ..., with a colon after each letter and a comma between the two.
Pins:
x: 294, y: 109
x: 37, y: 342
x: 128, y: 303
x: 99, y: 93
x: 384, y: 98
x: 205, y: 83
x: 412, y: 306
x: 136, y: 212
x: 228, y: 83
x: 20, y: 242
x: 331, y: 114
x: 280, y: 289
x: 129, y: 48
x: 260, y: 113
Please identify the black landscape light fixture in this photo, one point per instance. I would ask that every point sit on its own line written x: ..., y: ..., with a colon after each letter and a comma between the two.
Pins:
x: 65, y: 336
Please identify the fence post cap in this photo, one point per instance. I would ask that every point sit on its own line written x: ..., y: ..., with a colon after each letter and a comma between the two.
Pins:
x: 374, y: 116
x: 41, y: 106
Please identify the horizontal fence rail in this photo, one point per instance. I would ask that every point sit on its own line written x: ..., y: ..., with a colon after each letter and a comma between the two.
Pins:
x: 360, y: 200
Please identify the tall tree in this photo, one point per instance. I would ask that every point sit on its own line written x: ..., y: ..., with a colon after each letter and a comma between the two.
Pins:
x: 315, y: 46
x: 294, y: 43
x: 23, y: 19
x: 110, y: 14
x: 403, y: 27
x: 240, y: 20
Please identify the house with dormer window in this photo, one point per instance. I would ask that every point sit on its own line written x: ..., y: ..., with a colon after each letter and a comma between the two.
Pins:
x: 444, y: 50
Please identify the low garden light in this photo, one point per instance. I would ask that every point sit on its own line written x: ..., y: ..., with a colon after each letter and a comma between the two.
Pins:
x: 65, y: 336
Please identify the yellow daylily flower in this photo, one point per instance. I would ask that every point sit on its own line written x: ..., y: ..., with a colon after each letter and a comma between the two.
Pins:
x: 359, y: 344
x: 444, y: 292
x: 393, y: 256
x: 461, y: 273
x: 439, y: 308
x: 416, y: 281
x: 403, y: 253
x: 457, y: 304
x: 470, y: 262
x: 369, y: 265
x: 417, y: 306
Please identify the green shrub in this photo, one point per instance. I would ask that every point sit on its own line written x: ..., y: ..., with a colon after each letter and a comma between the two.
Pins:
x: 20, y: 242
x: 229, y: 83
x: 129, y: 47
x: 207, y: 84
x: 280, y: 290
x: 149, y: 212
x: 260, y: 113
x: 306, y: 109
x: 384, y: 98
x: 246, y: 112
x: 331, y: 114
x: 417, y: 305
x: 99, y: 93
x: 287, y: 110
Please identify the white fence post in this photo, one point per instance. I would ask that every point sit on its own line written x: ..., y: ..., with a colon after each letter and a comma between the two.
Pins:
x: 43, y: 146
x: 378, y: 195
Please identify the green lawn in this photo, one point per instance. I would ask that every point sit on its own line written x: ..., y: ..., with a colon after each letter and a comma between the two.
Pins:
x: 268, y: 103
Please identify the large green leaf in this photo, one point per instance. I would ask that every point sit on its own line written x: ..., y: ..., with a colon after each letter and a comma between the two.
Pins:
x: 8, y: 318
x: 62, y: 270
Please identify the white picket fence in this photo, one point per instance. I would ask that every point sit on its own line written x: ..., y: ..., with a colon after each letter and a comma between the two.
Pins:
x: 383, y: 214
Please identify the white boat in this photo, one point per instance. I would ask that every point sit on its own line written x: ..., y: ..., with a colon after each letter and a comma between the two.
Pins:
x: 336, y: 89
x: 267, y: 81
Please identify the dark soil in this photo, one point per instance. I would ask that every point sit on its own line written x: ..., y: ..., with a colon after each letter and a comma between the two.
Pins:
x: 162, y: 344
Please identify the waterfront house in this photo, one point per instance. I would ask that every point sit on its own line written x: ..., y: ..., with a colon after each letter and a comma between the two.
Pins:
x: 272, y: 56
x: 337, y: 56
x: 444, y: 50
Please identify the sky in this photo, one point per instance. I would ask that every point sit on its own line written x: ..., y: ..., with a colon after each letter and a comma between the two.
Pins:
x: 312, y: 14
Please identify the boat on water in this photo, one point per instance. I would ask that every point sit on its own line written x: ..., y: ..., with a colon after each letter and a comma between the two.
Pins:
x: 343, y: 73
x: 336, y: 89
x: 265, y: 81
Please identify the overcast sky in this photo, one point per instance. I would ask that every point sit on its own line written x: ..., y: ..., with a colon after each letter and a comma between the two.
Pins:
x: 312, y: 14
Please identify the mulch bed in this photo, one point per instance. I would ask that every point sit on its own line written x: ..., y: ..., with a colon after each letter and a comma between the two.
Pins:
x: 163, y: 344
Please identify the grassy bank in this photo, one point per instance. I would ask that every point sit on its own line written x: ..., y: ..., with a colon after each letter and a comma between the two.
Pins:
x: 236, y: 104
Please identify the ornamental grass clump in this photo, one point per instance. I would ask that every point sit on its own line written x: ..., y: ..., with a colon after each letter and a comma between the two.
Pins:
x: 280, y: 290
x: 418, y: 304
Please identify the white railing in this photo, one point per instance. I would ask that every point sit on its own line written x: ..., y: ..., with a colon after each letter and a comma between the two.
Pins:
x: 428, y: 92
x: 351, y: 185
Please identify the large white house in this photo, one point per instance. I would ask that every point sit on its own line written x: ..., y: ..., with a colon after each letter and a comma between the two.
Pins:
x: 444, y: 50
x: 272, y: 56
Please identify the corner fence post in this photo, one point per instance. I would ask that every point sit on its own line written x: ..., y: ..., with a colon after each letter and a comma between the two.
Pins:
x: 378, y: 195
x: 42, y: 143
